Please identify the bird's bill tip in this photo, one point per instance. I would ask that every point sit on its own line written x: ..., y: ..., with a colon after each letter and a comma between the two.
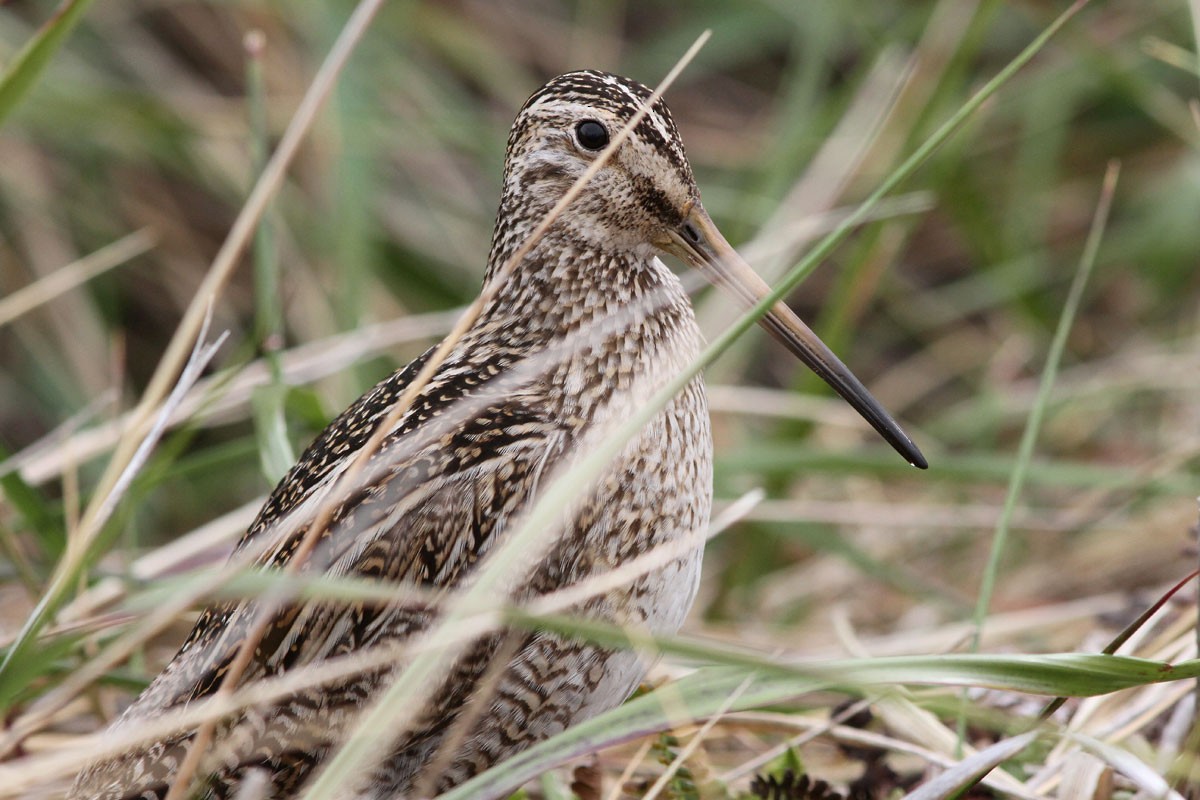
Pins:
x: 699, y: 243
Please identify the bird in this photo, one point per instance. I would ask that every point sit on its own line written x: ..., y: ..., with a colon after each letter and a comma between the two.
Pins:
x: 585, y: 326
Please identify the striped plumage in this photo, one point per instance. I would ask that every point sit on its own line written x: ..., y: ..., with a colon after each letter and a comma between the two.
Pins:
x: 583, y: 331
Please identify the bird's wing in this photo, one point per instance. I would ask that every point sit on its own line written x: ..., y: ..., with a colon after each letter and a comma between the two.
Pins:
x: 456, y: 467
x: 341, y: 438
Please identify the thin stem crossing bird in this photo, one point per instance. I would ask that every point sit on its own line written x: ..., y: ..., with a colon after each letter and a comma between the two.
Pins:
x: 586, y: 326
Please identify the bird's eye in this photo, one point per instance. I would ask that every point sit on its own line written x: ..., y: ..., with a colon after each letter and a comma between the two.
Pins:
x: 591, y: 135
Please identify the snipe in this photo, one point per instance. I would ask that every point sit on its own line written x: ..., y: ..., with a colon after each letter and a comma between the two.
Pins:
x: 588, y: 325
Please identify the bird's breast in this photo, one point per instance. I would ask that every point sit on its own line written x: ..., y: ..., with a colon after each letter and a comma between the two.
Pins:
x: 653, y: 500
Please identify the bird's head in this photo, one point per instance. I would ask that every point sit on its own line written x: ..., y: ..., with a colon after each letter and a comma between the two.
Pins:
x: 644, y: 200
x: 643, y: 189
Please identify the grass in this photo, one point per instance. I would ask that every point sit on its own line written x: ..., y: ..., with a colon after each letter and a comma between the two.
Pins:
x: 945, y: 304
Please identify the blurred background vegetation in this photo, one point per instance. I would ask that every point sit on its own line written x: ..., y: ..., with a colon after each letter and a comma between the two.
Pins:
x: 944, y: 304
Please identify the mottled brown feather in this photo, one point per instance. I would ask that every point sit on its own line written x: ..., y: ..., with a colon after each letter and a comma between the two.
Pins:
x: 584, y: 330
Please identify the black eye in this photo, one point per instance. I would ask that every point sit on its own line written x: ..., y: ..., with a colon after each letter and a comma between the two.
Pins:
x: 591, y: 135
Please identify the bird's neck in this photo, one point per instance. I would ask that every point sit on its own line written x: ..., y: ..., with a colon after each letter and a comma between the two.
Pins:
x: 594, y: 312
x: 564, y: 283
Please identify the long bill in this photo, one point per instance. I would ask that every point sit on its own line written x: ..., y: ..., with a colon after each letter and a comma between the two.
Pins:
x: 698, y: 242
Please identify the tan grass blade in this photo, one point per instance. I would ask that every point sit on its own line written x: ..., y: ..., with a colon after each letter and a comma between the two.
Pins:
x: 74, y: 274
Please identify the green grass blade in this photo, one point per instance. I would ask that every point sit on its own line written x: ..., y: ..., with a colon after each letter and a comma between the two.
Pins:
x: 1049, y: 372
x: 23, y: 71
x: 35, y: 511
x: 270, y: 423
